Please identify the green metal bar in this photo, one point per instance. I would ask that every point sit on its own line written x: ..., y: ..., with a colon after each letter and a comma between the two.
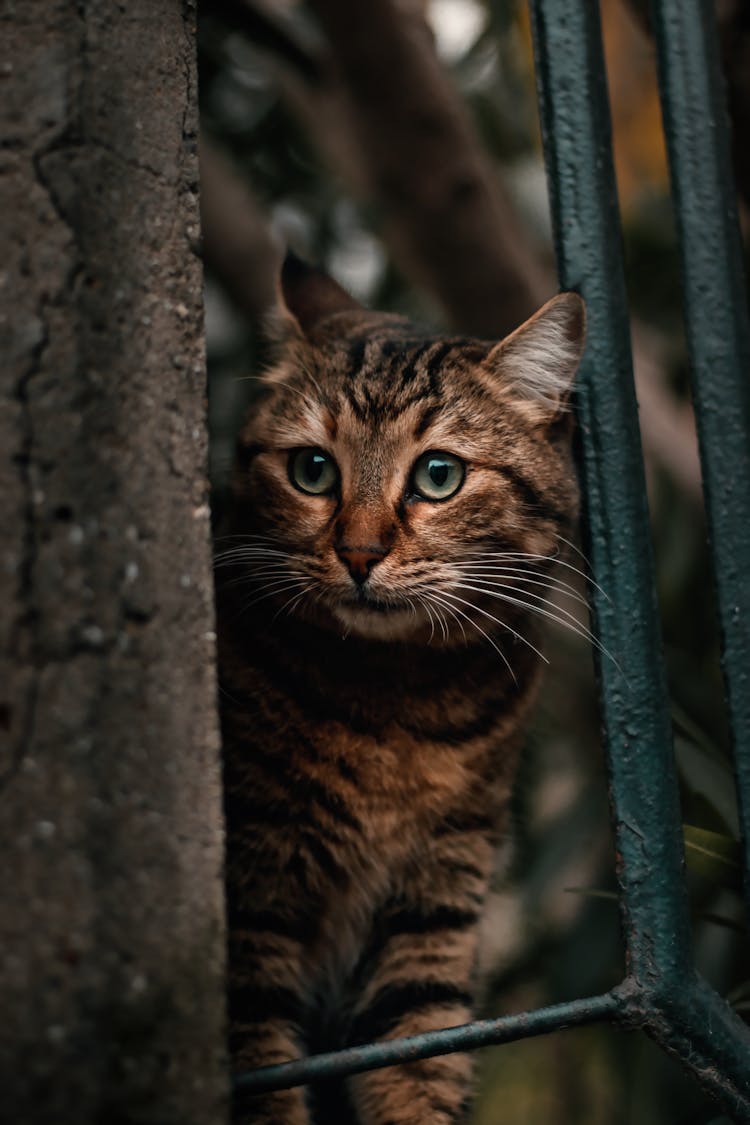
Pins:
x: 674, y: 1005
x: 574, y: 111
x: 718, y: 332
x: 481, y: 1033
x: 696, y: 1004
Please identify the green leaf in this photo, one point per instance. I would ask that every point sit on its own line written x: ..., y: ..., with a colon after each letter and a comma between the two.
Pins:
x: 714, y: 855
x: 591, y: 892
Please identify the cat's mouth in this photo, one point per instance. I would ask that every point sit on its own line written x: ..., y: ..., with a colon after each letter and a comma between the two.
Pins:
x: 375, y: 617
x: 368, y: 602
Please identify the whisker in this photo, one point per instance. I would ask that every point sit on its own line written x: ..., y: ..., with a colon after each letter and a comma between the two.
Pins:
x: 308, y: 401
x: 432, y: 622
x: 458, y: 621
x: 275, y: 584
x: 253, y: 577
x: 441, y: 621
x: 266, y: 564
x: 490, y: 589
x: 574, y: 547
x: 275, y: 588
x: 308, y: 375
x: 488, y: 571
x: 496, y: 620
x: 524, y: 604
x: 253, y: 569
x: 291, y: 604
x: 412, y: 606
x: 258, y: 564
x: 237, y: 554
x: 274, y: 567
x: 433, y: 597
x: 572, y: 624
x: 510, y: 556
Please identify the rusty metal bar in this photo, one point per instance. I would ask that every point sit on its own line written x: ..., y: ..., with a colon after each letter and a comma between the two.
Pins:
x: 481, y: 1033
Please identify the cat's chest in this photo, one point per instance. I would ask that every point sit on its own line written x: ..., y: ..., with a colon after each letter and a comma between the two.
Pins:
x: 399, y: 783
x: 397, y: 758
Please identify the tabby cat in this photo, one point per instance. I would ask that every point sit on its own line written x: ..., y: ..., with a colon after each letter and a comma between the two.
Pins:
x: 398, y: 504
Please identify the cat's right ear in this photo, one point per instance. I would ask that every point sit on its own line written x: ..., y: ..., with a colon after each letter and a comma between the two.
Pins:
x: 308, y: 296
x: 537, y: 363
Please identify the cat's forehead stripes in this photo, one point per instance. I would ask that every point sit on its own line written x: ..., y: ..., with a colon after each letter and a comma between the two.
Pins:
x: 423, y: 384
x: 425, y: 419
x: 384, y: 376
x: 382, y: 353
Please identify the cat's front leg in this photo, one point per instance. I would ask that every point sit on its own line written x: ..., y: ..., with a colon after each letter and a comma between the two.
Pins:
x: 267, y: 1003
x: 422, y: 980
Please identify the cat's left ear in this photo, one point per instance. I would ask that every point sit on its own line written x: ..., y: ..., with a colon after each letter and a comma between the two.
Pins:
x: 538, y: 362
x: 310, y: 296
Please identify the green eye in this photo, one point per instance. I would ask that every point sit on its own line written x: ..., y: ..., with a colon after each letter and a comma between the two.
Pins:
x: 313, y: 471
x: 436, y: 476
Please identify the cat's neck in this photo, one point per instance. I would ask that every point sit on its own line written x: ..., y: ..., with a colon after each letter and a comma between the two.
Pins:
x: 349, y: 663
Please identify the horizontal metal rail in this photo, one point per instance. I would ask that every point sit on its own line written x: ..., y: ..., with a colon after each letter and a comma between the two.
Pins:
x: 626, y: 1006
x: 480, y: 1033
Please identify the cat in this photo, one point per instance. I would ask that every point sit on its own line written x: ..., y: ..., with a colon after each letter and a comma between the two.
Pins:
x: 398, y: 503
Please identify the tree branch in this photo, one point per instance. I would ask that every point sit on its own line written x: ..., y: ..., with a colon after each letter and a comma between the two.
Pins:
x: 389, y: 121
x: 444, y: 210
x: 238, y: 244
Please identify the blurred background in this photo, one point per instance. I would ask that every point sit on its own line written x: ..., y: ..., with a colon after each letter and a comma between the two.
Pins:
x: 398, y: 145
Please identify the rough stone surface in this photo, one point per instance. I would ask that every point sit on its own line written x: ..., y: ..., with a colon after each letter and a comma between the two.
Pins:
x: 111, y: 923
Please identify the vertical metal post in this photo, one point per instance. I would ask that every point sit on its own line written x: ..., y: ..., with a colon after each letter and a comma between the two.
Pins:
x: 574, y: 109
x: 718, y: 332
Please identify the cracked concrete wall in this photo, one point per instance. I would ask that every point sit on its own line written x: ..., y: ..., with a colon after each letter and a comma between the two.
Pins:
x: 111, y: 909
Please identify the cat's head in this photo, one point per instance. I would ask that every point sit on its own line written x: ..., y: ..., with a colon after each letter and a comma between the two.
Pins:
x: 400, y: 484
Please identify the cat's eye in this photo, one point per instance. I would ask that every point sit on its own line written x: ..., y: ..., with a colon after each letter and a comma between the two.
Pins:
x: 436, y: 476
x: 313, y: 471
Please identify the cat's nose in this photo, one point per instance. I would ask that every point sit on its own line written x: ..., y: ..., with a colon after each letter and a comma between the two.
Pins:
x: 360, y: 560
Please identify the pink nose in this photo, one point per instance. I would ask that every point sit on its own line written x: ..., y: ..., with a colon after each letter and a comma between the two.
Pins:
x: 360, y: 560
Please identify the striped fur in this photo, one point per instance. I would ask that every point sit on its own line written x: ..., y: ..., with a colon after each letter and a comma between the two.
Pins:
x: 372, y: 729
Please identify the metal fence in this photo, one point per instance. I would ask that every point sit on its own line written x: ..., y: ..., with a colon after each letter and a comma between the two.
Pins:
x: 662, y: 993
